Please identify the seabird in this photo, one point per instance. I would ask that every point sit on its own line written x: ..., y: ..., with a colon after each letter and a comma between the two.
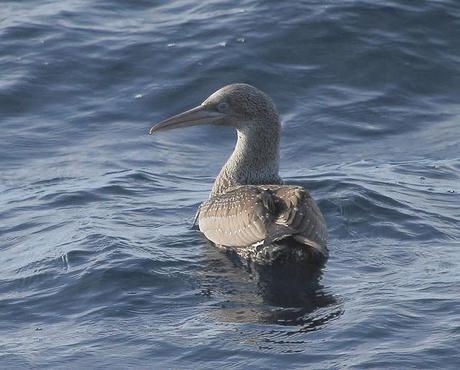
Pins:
x: 250, y: 210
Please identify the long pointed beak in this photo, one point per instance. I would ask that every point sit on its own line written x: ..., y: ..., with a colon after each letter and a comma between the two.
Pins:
x: 196, y: 116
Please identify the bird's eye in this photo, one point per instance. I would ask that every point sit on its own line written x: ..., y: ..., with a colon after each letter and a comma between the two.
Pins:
x: 222, y: 107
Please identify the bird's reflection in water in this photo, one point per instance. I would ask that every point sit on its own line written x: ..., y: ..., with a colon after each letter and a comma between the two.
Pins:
x: 271, y: 294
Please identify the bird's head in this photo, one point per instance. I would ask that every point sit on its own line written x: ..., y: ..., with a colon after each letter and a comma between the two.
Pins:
x: 240, y: 106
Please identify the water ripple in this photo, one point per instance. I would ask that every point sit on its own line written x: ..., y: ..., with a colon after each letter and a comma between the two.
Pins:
x: 99, y: 265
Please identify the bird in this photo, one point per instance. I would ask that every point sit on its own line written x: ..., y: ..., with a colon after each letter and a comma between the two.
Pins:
x: 250, y: 210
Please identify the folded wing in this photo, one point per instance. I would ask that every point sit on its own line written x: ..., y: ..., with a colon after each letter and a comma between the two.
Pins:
x: 251, y: 214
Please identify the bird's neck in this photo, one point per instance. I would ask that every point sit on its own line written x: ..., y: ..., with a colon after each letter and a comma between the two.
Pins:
x: 254, y: 161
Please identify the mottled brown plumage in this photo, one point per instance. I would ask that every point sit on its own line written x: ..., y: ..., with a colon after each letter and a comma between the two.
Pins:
x: 249, y: 208
x: 264, y: 214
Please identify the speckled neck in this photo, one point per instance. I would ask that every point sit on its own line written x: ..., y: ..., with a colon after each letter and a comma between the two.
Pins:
x: 255, y: 159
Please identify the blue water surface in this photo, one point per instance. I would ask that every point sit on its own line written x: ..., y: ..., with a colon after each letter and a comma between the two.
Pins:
x: 99, y: 265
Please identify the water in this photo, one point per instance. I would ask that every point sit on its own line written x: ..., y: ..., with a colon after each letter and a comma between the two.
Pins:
x: 99, y: 265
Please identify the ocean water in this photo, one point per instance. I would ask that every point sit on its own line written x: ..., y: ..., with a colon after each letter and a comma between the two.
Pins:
x: 99, y: 265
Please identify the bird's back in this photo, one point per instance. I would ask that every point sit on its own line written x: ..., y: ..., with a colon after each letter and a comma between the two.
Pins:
x: 261, y: 215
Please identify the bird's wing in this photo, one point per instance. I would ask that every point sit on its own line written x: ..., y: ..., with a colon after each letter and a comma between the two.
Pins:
x: 246, y: 215
x: 299, y: 217
x: 235, y: 218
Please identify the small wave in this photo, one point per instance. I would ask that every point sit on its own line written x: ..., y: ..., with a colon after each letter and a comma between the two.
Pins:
x: 71, y: 198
